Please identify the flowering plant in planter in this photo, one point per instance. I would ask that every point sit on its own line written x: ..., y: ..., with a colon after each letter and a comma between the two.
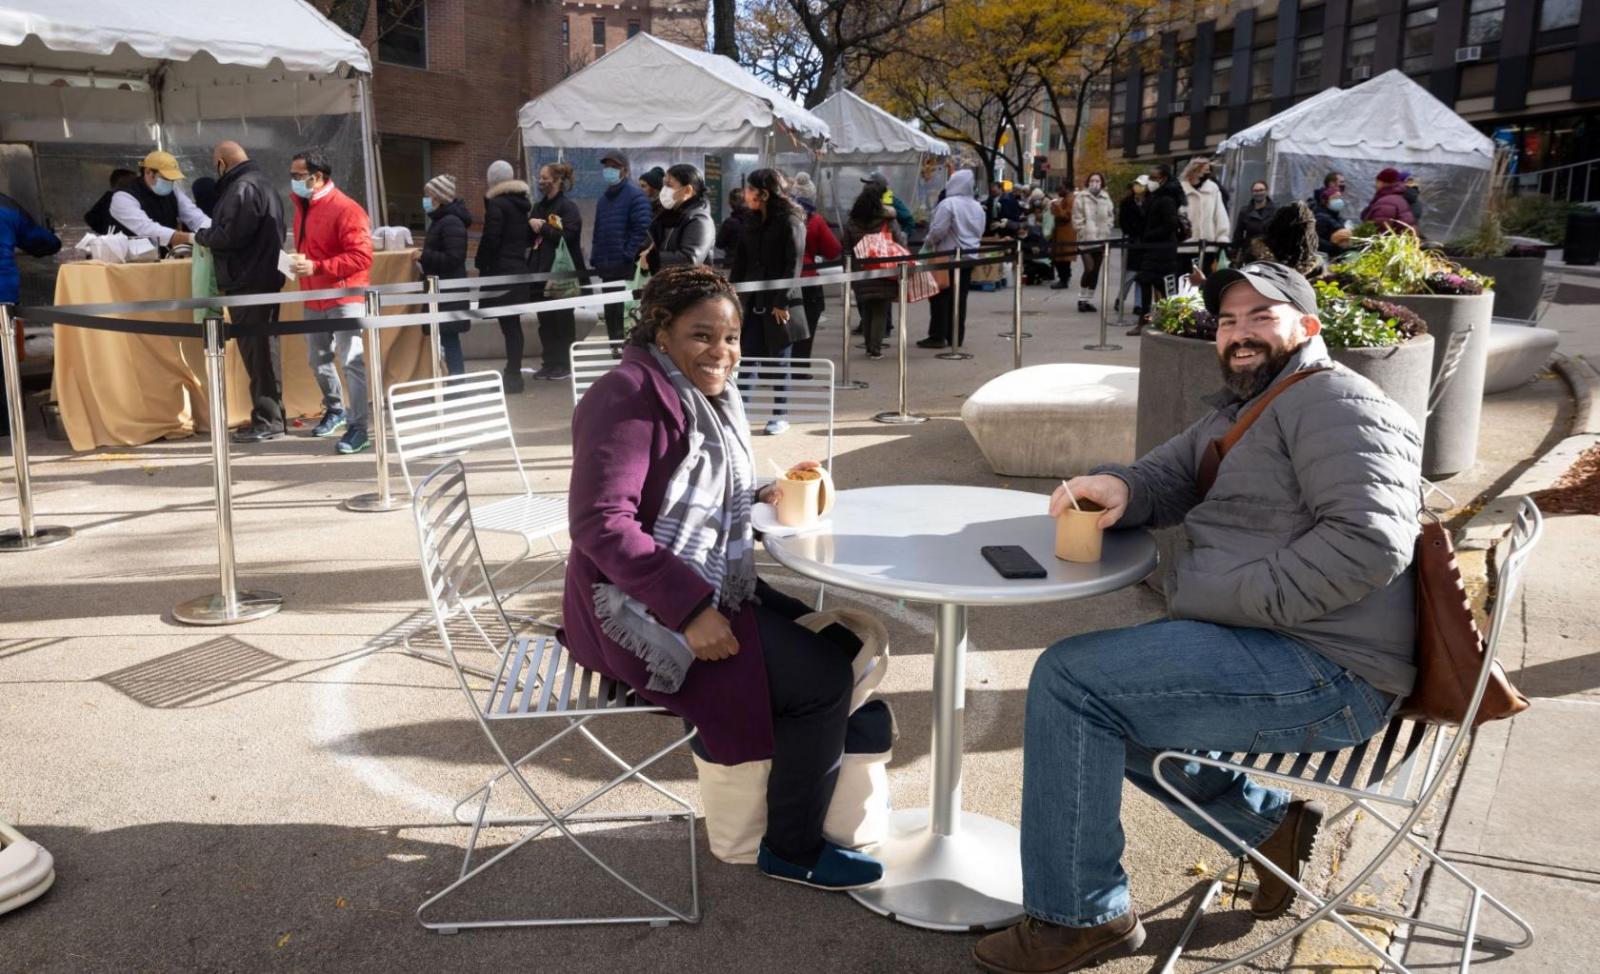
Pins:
x: 1397, y: 264
x: 1351, y: 321
x: 1184, y: 314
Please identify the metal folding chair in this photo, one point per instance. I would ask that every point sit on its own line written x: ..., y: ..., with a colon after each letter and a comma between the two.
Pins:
x: 535, y: 679
x: 449, y: 415
x: 1454, y: 350
x: 1392, y: 764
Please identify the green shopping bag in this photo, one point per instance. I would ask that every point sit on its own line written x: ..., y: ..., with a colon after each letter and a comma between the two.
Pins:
x: 630, y: 309
x: 1222, y: 259
x: 203, y: 282
x: 567, y: 284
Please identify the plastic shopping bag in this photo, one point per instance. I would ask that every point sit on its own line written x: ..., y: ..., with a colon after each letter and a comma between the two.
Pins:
x: 203, y: 281
x: 630, y: 309
x: 567, y: 285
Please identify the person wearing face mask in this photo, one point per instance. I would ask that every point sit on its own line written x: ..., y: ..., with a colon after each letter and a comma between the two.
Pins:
x: 683, y: 233
x: 335, y: 241
x: 246, y: 238
x: 556, y: 220
x: 444, y: 255
x: 1253, y: 222
x: 153, y: 208
x: 503, y: 249
x: 1328, y: 207
x: 662, y: 592
x: 1091, y: 220
x: 772, y: 249
x: 621, y: 227
x: 651, y: 182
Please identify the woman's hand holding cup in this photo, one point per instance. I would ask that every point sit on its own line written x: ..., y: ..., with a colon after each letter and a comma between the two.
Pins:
x: 710, y: 636
x: 1111, y: 493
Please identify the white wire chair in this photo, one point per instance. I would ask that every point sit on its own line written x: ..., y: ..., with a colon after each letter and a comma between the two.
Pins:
x: 1390, y: 774
x: 1454, y: 351
x: 448, y: 415
x: 535, y: 679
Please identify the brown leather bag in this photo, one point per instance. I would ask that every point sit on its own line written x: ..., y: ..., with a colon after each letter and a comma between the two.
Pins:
x: 1449, y: 647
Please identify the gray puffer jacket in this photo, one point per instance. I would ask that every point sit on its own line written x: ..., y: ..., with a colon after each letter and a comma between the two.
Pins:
x: 1310, y: 526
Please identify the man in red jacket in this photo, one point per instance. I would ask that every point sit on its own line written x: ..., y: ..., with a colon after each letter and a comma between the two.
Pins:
x: 333, y: 243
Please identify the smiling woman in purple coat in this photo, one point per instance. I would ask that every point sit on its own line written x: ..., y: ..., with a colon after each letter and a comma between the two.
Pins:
x: 661, y: 589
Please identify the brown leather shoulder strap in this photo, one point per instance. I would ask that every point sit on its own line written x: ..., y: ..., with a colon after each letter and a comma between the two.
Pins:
x: 1242, y: 424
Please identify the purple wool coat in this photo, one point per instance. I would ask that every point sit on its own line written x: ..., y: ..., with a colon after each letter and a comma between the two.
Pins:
x: 628, y: 436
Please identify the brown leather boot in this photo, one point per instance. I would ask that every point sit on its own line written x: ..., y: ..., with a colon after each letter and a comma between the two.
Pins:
x: 1289, y: 848
x: 1036, y: 947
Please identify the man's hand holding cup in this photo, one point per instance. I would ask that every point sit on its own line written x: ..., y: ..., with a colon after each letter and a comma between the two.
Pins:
x: 1103, y: 489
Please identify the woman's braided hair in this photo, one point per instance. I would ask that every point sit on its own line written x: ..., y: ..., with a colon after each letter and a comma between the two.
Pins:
x: 672, y: 292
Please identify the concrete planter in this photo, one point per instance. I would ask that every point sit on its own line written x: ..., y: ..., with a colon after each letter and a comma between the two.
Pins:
x: 1517, y: 281
x: 1450, y: 444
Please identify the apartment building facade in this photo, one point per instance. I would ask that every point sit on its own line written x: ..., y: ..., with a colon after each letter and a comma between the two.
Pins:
x: 1525, y: 71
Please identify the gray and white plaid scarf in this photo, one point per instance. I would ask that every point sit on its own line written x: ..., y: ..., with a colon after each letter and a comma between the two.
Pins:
x: 704, y: 520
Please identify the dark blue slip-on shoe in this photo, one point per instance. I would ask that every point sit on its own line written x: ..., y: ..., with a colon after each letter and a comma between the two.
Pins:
x: 838, y: 868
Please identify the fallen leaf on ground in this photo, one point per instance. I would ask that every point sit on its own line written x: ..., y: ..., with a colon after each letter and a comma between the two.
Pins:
x: 340, y: 903
x: 1199, y: 868
x: 283, y: 941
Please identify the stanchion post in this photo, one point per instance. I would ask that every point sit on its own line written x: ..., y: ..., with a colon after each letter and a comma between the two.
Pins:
x: 28, y: 536
x: 901, y: 417
x: 844, y: 381
x: 372, y: 346
x: 1016, y: 313
x: 229, y: 605
x: 430, y: 287
x: 957, y: 333
x: 1105, y: 270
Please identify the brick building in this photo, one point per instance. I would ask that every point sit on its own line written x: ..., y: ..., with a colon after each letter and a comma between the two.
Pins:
x: 448, y: 78
x: 593, y: 27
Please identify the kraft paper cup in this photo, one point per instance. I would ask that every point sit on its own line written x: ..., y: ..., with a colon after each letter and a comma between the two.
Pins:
x: 1078, y: 533
x: 801, y: 500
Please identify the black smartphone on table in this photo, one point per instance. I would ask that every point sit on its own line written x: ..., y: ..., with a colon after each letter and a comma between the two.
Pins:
x: 1012, y: 561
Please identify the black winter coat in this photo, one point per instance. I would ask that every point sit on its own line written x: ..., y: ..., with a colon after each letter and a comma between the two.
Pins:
x: 772, y: 249
x: 1164, y: 231
x: 1328, y: 223
x: 682, y: 235
x: 1252, y: 225
x: 547, y: 241
x: 246, y: 232
x: 1130, y: 220
x: 503, y: 248
x: 444, y: 253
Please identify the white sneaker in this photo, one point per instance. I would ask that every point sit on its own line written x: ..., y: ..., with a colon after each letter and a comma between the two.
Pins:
x: 776, y: 426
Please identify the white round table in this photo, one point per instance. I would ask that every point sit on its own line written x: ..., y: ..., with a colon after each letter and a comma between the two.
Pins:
x: 945, y: 869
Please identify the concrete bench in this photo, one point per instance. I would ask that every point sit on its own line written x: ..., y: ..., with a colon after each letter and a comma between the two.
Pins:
x: 1516, y: 354
x: 1055, y: 420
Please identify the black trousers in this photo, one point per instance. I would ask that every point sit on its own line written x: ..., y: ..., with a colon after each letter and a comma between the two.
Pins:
x: 1091, y: 271
x: 809, y: 679
x: 616, y: 328
x: 511, y: 330
x: 1064, y: 271
x: 875, y: 322
x: 557, y: 330
x: 266, y: 398
x: 942, y: 305
x: 815, y: 301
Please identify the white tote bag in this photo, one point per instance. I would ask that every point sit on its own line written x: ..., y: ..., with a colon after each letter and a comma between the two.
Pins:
x: 735, y: 796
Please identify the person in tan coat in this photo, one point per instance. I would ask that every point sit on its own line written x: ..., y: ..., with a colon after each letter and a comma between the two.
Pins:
x: 1062, y: 238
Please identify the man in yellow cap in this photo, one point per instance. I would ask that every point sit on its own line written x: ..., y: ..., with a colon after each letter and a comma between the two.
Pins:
x: 153, y: 208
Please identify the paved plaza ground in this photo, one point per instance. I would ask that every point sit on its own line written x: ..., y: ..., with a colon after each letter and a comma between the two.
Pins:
x: 268, y: 797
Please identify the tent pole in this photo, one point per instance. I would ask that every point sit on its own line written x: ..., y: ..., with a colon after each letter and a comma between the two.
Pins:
x: 369, y: 150
x: 156, y: 80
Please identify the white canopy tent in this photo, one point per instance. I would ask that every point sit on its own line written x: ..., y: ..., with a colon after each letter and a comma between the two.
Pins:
x: 663, y: 104
x: 90, y: 85
x: 864, y: 137
x: 1387, y: 121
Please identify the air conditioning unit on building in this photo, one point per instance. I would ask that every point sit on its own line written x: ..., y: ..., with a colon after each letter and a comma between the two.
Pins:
x: 1215, y: 101
x: 1466, y: 54
x: 1177, y: 108
x: 1361, y: 72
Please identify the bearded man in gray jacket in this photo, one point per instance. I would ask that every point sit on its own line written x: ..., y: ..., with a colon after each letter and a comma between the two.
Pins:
x: 1291, y: 629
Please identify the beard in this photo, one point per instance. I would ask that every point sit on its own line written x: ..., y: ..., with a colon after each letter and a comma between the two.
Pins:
x: 1251, y: 382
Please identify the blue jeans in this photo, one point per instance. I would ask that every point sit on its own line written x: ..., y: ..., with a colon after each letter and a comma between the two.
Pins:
x: 321, y: 349
x: 1101, y: 705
